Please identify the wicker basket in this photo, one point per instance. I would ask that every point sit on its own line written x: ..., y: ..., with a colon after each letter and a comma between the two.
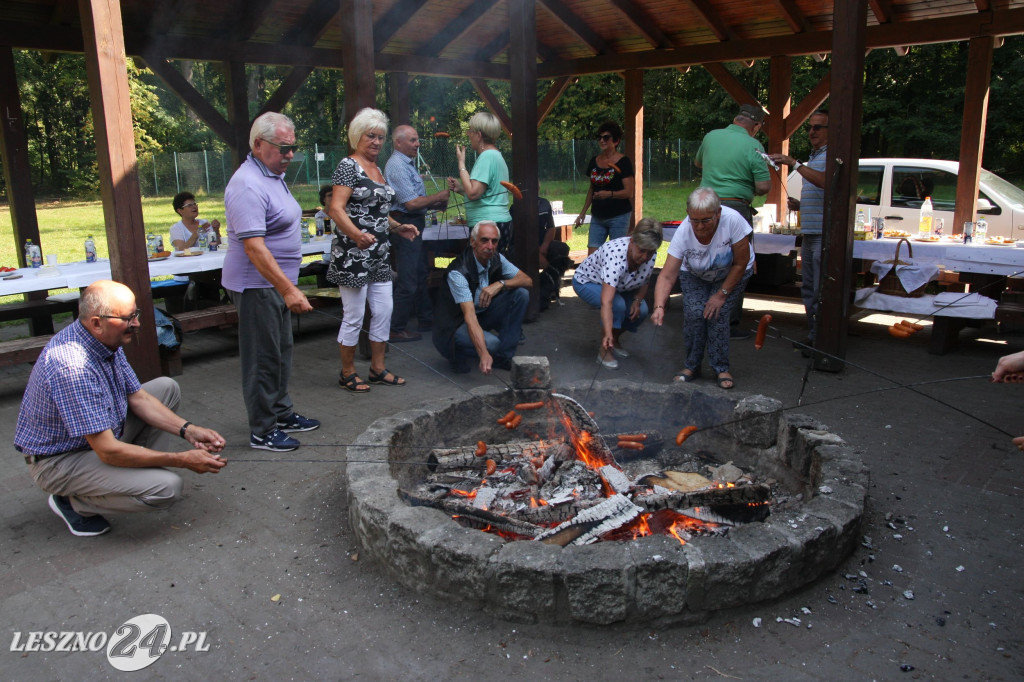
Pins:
x: 891, y: 284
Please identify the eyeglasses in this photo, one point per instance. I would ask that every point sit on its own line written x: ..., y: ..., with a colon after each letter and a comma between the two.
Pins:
x: 815, y: 128
x: 127, y: 320
x: 606, y: 136
x: 191, y: 204
x: 285, y: 149
x: 703, y: 221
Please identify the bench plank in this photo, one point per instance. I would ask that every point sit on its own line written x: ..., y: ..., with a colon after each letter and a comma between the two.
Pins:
x: 18, y: 351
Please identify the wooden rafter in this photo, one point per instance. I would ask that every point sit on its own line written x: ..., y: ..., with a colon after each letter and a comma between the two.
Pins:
x: 551, y: 97
x: 710, y: 17
x: 173, y: 79
x: 455, y: 28
x: 731, y: 84
x: 289, y: 86
x: 882, y: 9
x: 644, y: 23
x: 493, y: 103
x: 395, y: 18
x: 320, y: 16
x: 808, y: 105
x: 65, y: 13
x: 572, y: 22
x: 792, y: 15
x: 245, y: 20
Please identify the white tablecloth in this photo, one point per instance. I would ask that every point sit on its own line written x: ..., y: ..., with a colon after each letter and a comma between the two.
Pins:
x: 950, y: 304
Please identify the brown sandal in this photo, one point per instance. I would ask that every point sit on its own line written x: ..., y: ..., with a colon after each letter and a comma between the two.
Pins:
x: 353, y: 383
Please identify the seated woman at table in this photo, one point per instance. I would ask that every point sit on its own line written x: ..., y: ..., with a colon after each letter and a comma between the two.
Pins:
x: 615, y: 278
x: 359, y: 206
x: 185, y: 232
x: 712, y: 256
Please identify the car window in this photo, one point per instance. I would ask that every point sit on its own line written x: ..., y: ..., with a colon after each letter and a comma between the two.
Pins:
x: 869, y: 185
x: 910, y: 185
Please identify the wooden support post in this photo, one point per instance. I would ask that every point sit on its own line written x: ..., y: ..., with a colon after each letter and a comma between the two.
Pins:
x: 119, y: 181
x: 522, y: 19
x: 972, y: 131
x: 633, y: 145
x: 841, y: 182
x: 780, y: 98
x: 357, y: 56
x: 398, y: 98
x: 235, y: 87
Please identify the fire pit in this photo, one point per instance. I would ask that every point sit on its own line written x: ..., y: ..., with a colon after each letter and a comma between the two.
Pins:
x: 819, y: 485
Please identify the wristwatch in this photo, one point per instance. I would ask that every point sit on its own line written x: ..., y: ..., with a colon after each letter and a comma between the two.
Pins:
x: 723, y: 291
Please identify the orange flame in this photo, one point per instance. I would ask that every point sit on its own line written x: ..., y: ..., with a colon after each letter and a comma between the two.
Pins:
x: 471, y: 494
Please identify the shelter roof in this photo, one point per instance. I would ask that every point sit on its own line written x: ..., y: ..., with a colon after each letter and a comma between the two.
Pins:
x: 470, y: 37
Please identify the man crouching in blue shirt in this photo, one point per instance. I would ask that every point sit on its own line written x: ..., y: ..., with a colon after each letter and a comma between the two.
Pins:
x: 93, y: 437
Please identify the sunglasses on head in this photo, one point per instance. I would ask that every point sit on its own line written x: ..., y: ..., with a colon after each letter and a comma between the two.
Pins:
x: 283, y: 148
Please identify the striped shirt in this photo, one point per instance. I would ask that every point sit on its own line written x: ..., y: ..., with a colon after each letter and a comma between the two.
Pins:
x: 812, y: 197
x: 78, y: 387
x: 400, y: 172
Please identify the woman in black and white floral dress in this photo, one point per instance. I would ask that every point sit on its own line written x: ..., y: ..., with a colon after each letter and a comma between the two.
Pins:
x: 360, y: 202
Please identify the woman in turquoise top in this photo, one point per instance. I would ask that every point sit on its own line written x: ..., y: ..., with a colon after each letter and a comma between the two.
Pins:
x: 486, y: 199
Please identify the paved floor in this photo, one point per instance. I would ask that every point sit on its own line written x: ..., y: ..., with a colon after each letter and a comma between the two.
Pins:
x: 259, y: 557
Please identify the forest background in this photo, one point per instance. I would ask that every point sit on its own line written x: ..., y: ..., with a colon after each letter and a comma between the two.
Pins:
x: 912, y: 107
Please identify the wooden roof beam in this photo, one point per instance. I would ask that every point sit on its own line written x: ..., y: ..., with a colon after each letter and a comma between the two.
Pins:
x: 289, y: 86
x: 644, y: 23
x: 395, y: 18
x: 731, y: 84
x: 320, y: 16
x: 65, y: 13
x: 882, y: 9
x: 493, y: 103
x: 551, y: 97
x: 808, y: 105
x: 792, y: 15
x: 708, y: 14
x: 455, y: 28
x: 577, y: 26
x: 247, y: 18
x: 173, y: 79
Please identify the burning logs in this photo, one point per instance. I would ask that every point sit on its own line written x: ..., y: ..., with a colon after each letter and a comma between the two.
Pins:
x: 465, y: 457
x: 590, y: 524
x: 754, y: 493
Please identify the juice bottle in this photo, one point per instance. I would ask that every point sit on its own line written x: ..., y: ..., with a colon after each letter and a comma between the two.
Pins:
x: 924, y: 227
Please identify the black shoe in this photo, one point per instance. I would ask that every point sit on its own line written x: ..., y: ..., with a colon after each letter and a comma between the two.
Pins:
x: 739, y: 334
x: 295, y: 422
x: 82, y: 526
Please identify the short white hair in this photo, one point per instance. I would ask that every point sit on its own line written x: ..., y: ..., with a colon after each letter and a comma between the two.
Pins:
x: 265, y: 127
x: 475, y: 232
x: 364, y: 121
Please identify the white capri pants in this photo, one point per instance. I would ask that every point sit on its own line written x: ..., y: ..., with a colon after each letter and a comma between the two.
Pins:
x: 353, y: 303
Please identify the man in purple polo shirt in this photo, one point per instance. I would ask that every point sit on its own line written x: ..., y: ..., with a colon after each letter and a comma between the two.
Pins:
x: 260, y: 273
x: 93, y: 437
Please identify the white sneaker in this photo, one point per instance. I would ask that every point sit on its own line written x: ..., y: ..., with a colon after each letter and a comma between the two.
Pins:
x: 620, y: 352
x: 610, y: 363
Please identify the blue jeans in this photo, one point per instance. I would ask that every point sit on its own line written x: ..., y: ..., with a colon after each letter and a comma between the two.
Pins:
x: 591, y: 294
x: 810, y: 277
x: 505, y: 316
x: 602, y: 229
x: 410, y: 294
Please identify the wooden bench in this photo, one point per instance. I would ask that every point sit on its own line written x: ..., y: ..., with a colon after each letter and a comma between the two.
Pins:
x: 40, y: 312
x: 22, y: 350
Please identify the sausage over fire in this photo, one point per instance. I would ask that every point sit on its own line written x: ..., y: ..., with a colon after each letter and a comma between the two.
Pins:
x: 632, y: 436
x: 512, y: 189
x: 481, y: 448
x: 491, y: 467
x: 762, y: 331
x: 898, y: 332
x: 530, y: 406
x: 508, y: 417
x: 630, y: 445
x: 685, y: 433
x: 913, y: 325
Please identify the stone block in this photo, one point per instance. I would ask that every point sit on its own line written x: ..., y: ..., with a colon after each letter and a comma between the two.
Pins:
x: 597, y: 582
x: 522, y: 580
x: 531, y: 372
x: 756, y: 421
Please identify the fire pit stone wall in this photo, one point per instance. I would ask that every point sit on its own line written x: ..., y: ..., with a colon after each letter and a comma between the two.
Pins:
x: 651, y: 579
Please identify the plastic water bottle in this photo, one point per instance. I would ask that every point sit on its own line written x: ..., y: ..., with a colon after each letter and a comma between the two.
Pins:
x: 202, y: 242
x: 304, y: 229
x: 981, y: 229
x: 33, y: 255
x: 90, y: 250
x: 924, y: 227
x: 319, y: 226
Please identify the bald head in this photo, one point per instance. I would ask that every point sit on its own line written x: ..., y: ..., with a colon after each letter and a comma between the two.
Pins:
x: 107, y: 311
x: 99, y: 298
x: 406, y: 140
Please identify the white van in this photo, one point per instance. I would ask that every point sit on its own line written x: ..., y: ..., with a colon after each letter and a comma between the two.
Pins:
x: 895, y: 189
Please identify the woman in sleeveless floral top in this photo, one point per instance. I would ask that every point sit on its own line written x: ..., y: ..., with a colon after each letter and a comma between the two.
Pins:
x: 360, y: 202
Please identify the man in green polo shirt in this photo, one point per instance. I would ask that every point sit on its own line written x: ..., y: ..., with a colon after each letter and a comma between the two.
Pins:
x: 732, y: 164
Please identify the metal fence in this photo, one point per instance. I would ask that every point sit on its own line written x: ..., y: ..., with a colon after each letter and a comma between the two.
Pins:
x: 208, y: 172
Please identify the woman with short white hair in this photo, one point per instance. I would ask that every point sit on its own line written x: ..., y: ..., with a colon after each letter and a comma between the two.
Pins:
x: 360, y: 202
x: 486, y: 199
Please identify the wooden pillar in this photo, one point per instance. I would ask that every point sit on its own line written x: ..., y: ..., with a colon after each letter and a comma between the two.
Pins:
x: 398, y: 98
x: 633, y: 144
x: 522, y: 19
x: 841, y: 181
x: 780, y: 98
x: 972, y: 131
x: 105, y: 64
x: 236, y: 89
x: 18, y: 174
x: 357, y: 56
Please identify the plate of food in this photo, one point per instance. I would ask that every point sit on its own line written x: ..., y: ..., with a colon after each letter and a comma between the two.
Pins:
x: 895, y: 234
x: 188, y: 252
x: 1000, y: 241
x: 926, y: 238
x: 160, y: 255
